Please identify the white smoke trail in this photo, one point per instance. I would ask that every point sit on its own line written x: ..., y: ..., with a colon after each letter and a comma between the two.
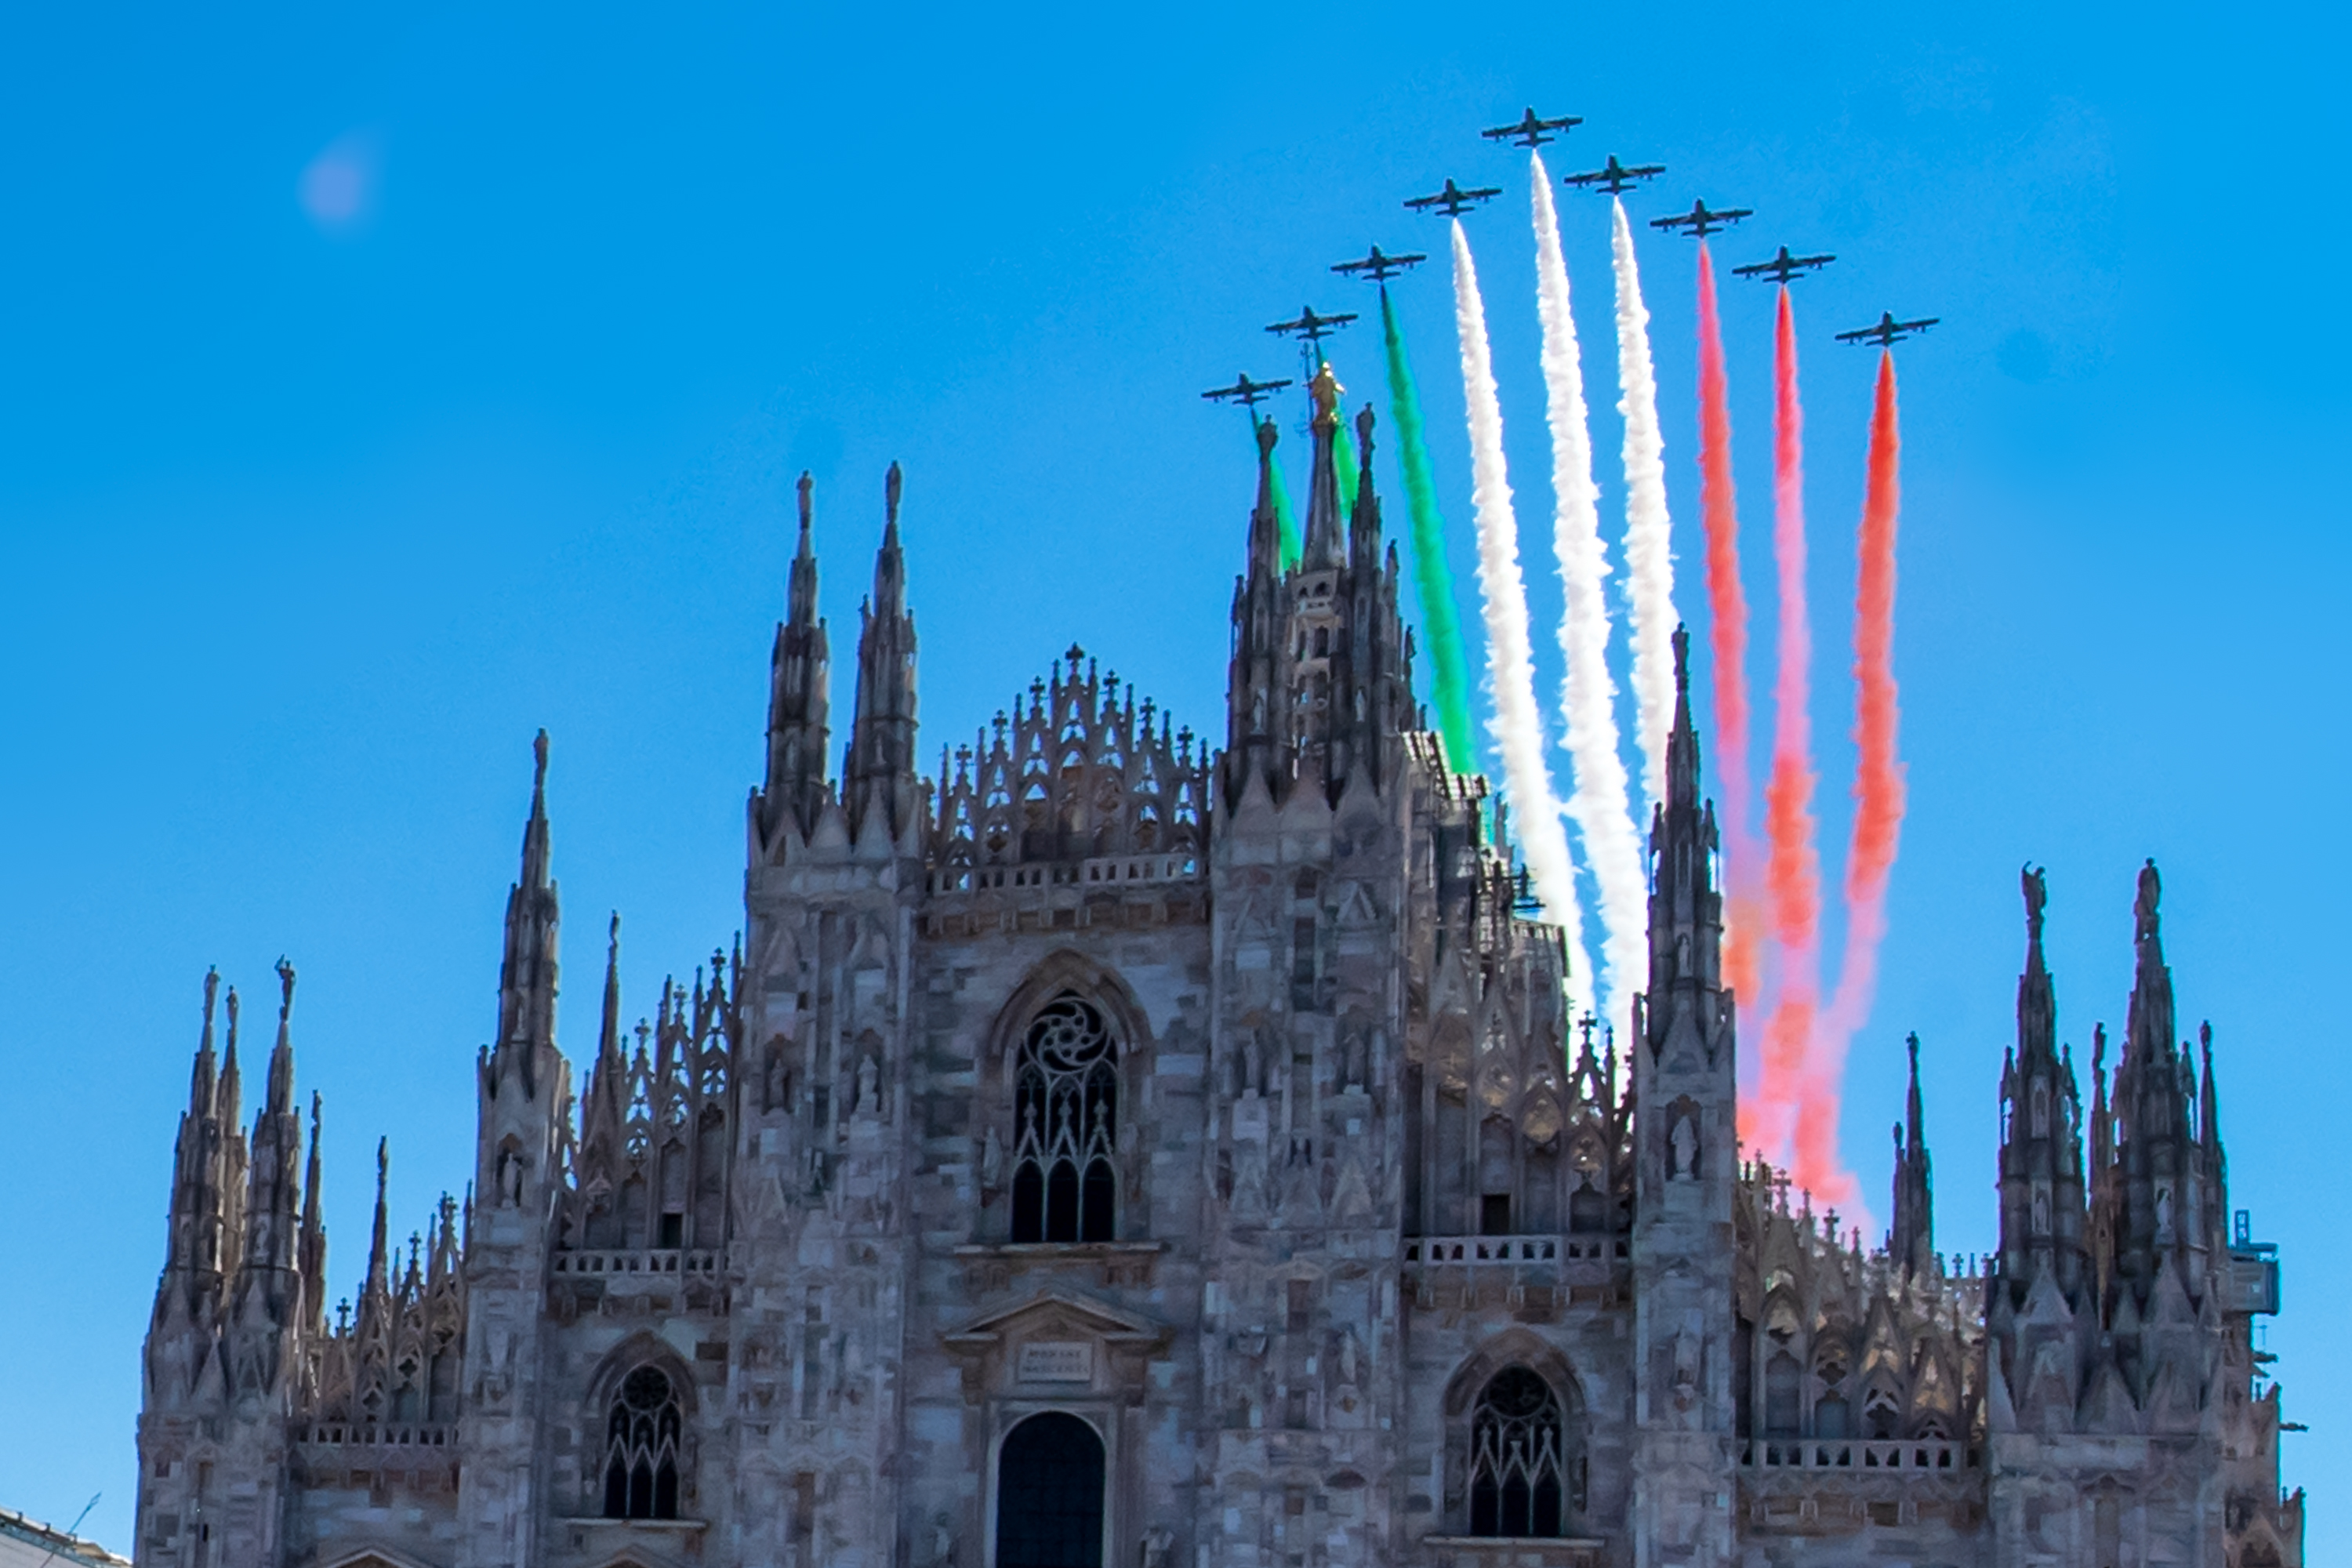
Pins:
x: 1588, y: 698
x: 1649, y: 533
x: 1510, y: 657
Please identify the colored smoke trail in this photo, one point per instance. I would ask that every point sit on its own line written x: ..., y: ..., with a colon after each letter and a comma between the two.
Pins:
x: 1878, y: 773
x: 1344, y: 467
x: 1799, y: 1110
x: 1432, y: 578
x: 1510, y: 657
x: 1285, y: 519
x: 1649, y: 531
x: 1596, y: 801
x: 1727, y: 635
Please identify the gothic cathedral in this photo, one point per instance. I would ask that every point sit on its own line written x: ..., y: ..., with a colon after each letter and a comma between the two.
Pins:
x: 1118, y: 1152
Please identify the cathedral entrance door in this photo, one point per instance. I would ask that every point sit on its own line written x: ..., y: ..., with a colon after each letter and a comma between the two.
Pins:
x: 1049, y: 1494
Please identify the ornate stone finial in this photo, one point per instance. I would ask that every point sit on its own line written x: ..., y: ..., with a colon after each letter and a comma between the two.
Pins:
x: 808, y: 507
x: 539, y: 763
x: 1326, y: 390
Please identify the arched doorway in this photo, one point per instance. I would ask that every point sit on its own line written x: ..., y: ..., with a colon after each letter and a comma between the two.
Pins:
x: 1049, y: 1494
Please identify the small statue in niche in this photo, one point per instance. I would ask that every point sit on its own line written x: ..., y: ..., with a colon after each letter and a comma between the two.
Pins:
x: 992, y: 1162
x: 868, y: 1101
x: 1682, y: 1143
x: 1159, y: 1547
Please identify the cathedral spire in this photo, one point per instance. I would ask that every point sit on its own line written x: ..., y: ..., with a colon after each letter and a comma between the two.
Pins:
x: 2148, y: 1027
x: 527, y: 976
x: 2041, y: 1160
x: 192, y: 1241
x: 273, y: 1199
x: 311, y: 1254
x: 798, y: 674
x: 1254, y: 689
x: 2208, y: 1110
x: 608, y: 1037
x: 206, y: 1075
x: 378, y: 1284
x: 880, y: 774
x: 1685, y: 910
x: 228, y: 1112
x: 229, y: 1096
x: 2154, y: 1188
x: 606, y: 1108
x: 1372, y: 675
x: 1912, y: 1244
x: 1326, y: 545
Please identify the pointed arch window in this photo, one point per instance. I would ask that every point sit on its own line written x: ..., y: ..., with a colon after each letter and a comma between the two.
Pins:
x: 1518, y: 1466
x: 1064, y: 1180
x: 641, y: 1436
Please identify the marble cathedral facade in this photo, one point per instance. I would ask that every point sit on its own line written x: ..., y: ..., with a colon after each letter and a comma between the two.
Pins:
x: 1115, y: 1151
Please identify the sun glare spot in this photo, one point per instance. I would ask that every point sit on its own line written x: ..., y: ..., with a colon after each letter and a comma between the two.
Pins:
x: 337, y: 187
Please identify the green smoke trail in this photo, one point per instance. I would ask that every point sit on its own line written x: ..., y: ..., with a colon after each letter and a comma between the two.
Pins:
x: 1343, y: 462
x: 1285, y: 518
x: 1432, y: 579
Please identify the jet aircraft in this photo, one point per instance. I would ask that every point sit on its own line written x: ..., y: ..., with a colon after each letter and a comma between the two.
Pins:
x: 1784, y: 267
x: 1532, y: 131
x: 1379, y: 264
x: 1453, y: 201
x: 1248, y: 393
x: 1310, y: 327
x: 1615, y: 177
x: 1702, y: 220
x: 1887, y: 331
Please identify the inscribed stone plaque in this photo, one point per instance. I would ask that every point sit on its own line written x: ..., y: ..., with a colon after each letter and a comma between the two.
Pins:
x: 1058, y: 1360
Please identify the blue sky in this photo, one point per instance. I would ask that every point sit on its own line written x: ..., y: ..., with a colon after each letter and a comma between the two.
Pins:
x: 380, y: 384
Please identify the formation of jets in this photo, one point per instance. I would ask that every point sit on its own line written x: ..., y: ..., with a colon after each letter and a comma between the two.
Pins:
x: 1532, y: 129
x: 1453, y: 201
x: 1380, y: 265
x: 1784, y: 267
x: 1310, y: 327
x: 1615, y: 177
x: 1248, y: 393
x: 1702, y: 220
x: 1886, y: 332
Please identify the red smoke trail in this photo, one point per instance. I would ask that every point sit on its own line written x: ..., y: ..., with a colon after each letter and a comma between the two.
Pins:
x: 1794, y: 870
x: 1878, y: 776
x: 1727, y: 627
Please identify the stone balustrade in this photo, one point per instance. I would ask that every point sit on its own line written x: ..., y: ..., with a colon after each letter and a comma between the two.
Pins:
x: 1915, y: 1454
x: 669, y: 1262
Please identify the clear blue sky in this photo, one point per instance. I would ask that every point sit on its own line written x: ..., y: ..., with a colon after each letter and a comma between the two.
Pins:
x: 380, y: 384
